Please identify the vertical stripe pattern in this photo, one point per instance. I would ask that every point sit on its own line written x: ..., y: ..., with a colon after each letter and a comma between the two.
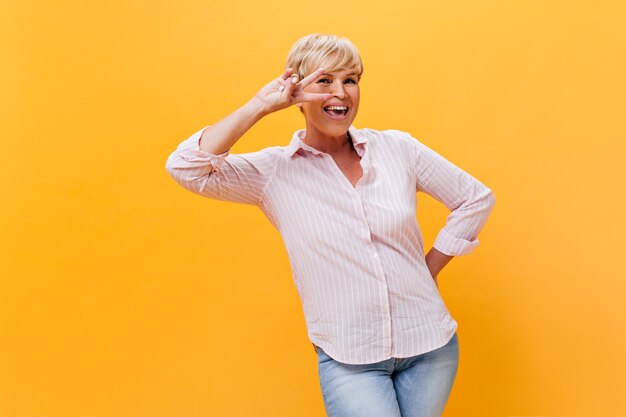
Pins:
x: 356, y: 252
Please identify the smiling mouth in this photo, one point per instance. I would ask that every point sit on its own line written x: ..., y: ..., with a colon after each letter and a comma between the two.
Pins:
x: 336, y: 112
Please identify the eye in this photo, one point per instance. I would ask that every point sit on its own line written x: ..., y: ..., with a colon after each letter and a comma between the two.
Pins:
x: 323, y: 79
x: 352, y: 80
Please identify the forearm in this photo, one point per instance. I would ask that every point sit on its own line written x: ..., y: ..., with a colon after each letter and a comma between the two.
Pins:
x: 436, y: 260
x: 278, y: 94
x: 221, y: 136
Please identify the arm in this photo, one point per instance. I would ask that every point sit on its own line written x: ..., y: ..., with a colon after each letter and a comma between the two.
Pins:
x: 469, y: 201
x: 278, y: 94
x: 203, y: 163
x: 238, y: 178
x: 221, y: 136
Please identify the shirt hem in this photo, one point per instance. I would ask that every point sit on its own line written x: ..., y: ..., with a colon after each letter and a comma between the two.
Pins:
x: 330, y: 351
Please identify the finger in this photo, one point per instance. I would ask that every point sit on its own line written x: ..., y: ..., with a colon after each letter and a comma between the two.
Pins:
x: 315, y: 97
x: 286, y: 74
x: 290, y: 84
x: 284, y: 78
x: 312, y: 76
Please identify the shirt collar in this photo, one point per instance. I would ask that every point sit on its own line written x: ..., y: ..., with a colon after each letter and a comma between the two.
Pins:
x: 358, y: 138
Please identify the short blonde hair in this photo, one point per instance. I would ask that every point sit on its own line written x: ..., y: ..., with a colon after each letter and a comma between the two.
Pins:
x: 335, y: 52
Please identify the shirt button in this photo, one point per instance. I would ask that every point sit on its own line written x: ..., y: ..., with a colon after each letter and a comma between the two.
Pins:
x: 375, y: 255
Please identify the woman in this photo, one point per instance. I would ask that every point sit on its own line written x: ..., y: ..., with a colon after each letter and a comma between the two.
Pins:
x: 344, y: 202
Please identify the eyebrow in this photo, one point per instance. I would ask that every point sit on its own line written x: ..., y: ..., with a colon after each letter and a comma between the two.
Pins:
x: 352, y: 73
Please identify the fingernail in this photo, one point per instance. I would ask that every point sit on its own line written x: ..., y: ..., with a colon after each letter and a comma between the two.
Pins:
x: 293, y: 80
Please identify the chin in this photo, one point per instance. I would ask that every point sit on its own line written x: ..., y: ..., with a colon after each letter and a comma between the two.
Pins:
x: 329, y: 127
x: 335, y: 129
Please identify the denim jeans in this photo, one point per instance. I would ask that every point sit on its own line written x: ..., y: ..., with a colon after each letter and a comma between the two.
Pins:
x: 418, y: 386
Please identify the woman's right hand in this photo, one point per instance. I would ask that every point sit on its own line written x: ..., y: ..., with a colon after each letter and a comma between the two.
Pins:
x: 282, y: 92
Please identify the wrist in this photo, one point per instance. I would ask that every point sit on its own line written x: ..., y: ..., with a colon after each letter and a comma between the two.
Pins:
x: 255, y: 108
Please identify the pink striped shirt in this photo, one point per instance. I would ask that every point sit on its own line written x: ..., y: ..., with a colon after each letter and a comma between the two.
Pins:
x: 356, y: 253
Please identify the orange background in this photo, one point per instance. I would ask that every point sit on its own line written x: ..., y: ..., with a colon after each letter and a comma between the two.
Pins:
x: 122, y: 294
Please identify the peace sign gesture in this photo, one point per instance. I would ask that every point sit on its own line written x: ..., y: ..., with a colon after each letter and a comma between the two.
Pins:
x: 285, y: 91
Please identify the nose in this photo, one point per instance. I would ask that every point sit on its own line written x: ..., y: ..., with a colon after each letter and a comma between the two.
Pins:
x: 339, y: 90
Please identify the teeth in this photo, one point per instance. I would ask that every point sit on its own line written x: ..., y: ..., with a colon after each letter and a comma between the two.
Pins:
x: 336, y: 108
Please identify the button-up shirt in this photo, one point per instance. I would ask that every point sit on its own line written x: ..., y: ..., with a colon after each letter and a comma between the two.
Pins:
x: 356, y: 252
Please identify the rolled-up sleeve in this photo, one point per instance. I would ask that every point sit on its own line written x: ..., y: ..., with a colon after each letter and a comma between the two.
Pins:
x: 469, y: 200
x: 238, y: 178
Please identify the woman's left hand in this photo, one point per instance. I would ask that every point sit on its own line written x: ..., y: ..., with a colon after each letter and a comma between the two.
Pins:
x: 435, y: 261
x: 434, y: 277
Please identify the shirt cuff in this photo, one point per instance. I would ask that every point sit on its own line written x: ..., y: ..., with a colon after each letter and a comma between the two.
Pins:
x: 452, y: 245
x: 193, y: 153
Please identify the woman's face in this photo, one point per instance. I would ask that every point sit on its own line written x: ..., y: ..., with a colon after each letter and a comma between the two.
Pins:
x: 344, y: 86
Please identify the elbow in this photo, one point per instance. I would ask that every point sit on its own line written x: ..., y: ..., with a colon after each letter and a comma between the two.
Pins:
x: 491, y: 197
x: 190, y: 178
x: 172, y: 165
x: 169, y: 163
x: 488, y: 200
x: 173, y: 168
x: 482, y: 201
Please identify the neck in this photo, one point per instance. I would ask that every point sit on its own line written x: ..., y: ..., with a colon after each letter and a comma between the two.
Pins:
x: 332, y: 145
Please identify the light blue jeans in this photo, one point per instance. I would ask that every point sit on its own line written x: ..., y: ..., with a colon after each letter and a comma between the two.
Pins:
x: 418, y: 386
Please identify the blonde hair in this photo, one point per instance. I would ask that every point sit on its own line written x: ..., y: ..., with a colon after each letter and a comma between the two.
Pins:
x: 312, y: 51
x: 335, y: 52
